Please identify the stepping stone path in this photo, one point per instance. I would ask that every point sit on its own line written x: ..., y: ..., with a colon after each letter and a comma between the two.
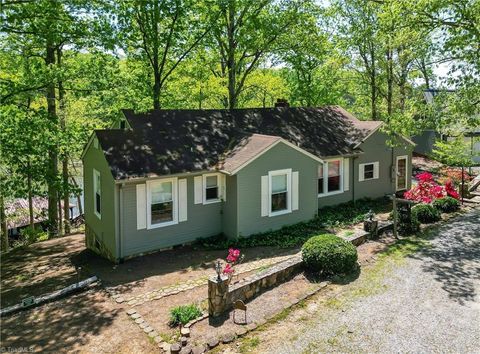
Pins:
x: 191, y: 284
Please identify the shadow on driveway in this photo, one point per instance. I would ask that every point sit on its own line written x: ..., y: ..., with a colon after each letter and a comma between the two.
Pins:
x: 454, y: 256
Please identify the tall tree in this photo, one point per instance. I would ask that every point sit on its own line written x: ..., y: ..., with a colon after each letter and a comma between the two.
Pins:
x: 244, y: 33
x: 162, y: 32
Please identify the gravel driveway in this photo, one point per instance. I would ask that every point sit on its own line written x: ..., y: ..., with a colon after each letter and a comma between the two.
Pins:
x: 429, y: 303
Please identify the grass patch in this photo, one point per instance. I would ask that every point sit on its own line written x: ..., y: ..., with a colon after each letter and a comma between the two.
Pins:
x: 295, y: 235
x: 248, y: 345
x: 184, y: 314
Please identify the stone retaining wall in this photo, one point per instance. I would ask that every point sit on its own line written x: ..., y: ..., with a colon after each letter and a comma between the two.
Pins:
x: 221, y: 297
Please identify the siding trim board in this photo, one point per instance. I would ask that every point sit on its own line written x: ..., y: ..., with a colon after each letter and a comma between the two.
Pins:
x: 283, y: 141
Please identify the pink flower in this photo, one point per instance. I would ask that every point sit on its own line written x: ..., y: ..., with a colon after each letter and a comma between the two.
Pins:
x: 228, y: 269
x: 233, y: 255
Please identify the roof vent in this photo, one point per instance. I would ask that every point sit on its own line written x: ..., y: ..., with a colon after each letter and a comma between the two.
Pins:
x: 282, y: 102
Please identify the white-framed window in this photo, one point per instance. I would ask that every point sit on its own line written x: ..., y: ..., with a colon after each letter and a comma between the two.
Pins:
x: 97, y: 194
x: 330, y: 177
x: 368, y: 171
x: 162, y: 203
x: 211, y: 185
x: 280, y: 189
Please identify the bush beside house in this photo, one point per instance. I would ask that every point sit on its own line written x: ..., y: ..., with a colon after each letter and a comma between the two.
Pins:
x: 426, y: 213
x: 329, y: 254
x: 446, y: 204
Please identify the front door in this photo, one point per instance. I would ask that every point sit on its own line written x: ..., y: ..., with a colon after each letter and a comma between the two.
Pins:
x: 401, y: 175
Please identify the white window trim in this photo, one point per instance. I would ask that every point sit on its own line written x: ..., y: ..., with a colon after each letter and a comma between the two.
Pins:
x: 405, y: 157
x: 325, y: 178
x: 95, y: 174
x: 219, y: 188
x: 287, y: 172
x: 360, y: 170
x: 174, y: 221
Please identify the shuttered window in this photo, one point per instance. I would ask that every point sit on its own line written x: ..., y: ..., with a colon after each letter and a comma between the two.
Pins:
x: 368, y: 171
x: 279, y: 192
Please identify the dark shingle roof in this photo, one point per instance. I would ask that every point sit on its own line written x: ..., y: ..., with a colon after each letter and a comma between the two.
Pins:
x: 174, y: 141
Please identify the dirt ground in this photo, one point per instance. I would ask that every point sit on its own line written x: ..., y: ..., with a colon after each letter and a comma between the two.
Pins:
x: 84, y: 323
x: 51, y: 265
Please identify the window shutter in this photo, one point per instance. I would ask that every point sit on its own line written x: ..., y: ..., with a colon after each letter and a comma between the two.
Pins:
x: 295, y: 190
x: 264, y: 196
x: 223, y: 187
x: 346, y: 174
x: 141, y: 206
x: 182, y: 200
x: 198, y: 189
x: 376, y: 170
x: 361, y: 172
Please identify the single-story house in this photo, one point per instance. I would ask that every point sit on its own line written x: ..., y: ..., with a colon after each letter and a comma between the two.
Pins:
x: 168, y: 177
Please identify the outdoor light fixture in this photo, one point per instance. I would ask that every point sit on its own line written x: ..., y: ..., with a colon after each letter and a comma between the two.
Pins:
x: 218, y: 269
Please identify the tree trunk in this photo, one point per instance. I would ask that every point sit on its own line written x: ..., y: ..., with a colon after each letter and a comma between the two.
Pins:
x: 232, y: 95
x: 79, y: 200
x: 63, y: 126
x: 373, y: 84
x: 60, y: 224
x: 3, y: 225
x: 30, y: 198
x: 52, y: 153
x: 389, y: 82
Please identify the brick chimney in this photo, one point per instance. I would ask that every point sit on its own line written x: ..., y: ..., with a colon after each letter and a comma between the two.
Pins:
x: 282, y: 102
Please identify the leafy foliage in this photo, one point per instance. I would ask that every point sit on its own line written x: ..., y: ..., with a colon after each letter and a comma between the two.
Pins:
x: 329, y: 254
x: 447, y: 204
x: 426, y: 213
x: 181, y: 315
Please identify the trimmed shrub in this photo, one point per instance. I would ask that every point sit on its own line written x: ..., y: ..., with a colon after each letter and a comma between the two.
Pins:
x: 447, y: 204
x: 329, y: 254
x: 425, y: 213
x: 184, y: 314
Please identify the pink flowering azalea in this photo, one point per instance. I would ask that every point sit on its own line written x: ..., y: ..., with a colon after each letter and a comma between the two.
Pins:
x: 228, y: 269
x: 426, y: 191
x: 425, y: 177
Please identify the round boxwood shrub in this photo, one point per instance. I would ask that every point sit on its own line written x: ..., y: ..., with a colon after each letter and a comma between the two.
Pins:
x: 426, y: 213
x: 329, y: 254
x: 447, y: 204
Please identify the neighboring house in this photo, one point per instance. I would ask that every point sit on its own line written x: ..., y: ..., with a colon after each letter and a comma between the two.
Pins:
x: 425, y: 141
x: 172, y: 176
x: 18, y: 216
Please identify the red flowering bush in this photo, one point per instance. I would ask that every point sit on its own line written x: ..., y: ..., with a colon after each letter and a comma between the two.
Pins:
x: 455, y: 175
x: 451, y: 191
x: 426, y: 191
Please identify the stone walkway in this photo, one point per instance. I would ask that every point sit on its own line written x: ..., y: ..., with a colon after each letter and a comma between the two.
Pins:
x: 191, y: 284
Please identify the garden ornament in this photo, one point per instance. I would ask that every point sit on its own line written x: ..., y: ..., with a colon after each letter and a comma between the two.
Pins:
x: 218, y: 269
x: 239, y: 305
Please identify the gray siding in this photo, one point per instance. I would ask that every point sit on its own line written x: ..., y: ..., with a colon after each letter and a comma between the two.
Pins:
x: 202, y: 221
x: 375, y: 148
x: 425, y: 142
x: 230, y: 210
x: 279, y: 157
x: 104, y: 228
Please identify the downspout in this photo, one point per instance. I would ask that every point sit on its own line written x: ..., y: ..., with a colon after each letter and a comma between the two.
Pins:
x: 353, y: 178
x: 120, y: 229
